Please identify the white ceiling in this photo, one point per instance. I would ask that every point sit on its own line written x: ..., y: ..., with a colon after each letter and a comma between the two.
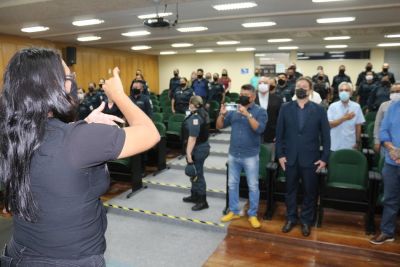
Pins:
x: 295, y: 19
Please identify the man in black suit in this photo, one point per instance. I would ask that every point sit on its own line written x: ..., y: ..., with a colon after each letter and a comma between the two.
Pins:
x: 268, y: 100
x: 302, y: 127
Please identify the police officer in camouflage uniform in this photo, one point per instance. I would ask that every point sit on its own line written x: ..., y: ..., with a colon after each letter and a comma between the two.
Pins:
x: 180, y: 100
x: 195, y: 131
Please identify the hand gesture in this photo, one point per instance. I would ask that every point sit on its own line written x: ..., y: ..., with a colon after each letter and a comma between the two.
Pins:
x: 243, y: 110
x: 349, y: 116
x: 222, y: 110
x: 320, y: 164
x: 282, y: 162
x: 114, y: 84
x: 97, y: 116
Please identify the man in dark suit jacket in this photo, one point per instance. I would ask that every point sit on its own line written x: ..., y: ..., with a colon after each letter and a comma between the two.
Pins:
x: 302, y: 127
x: 268, y: 100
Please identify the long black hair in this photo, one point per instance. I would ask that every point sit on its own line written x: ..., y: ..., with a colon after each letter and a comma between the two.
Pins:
x: 33, y: 90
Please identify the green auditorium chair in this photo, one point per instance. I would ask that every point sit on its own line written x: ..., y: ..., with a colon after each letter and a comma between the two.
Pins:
x: 234, y: 97
x: 156, y: 108
x: 347, y: 185
x: 227, y: 99
x: 266, y: 169
x: 174, y: 129
x: 213, y: 110
x: 158, y: 153
x: 157, y: 117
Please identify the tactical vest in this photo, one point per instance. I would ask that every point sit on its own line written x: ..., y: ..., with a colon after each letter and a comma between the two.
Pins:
x: 204, y: 130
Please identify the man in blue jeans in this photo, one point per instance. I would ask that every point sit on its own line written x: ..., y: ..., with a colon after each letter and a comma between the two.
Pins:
x: 390, y: 137
x: 248, y: 125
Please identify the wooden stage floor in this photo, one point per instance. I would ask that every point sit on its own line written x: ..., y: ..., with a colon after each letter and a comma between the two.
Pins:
x: 341, y: 241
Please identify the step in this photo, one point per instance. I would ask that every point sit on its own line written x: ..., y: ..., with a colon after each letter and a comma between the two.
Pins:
x: 219, y: 149
x: 175, y: 179
x: 168, y: 206
x: 213, y: 164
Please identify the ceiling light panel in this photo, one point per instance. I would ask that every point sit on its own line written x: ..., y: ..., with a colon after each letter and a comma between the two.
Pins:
x: 88, y: 38
x: 154, y: 15
x: 234, y: 6
x: 335, y: 20
x: 259, y: 24
x: 333, y: 38
x: 326, y: 1
x: 335, y: 46
x: 281, y: 40
x: 192, y: 29
x: 87, y: 22
x: 204, y: 50
x: 182, y: 45
x: 140, y: 47
x: 288, y: 47
x: 397, y: 35
x: 135, y: 33
x: 388, y: 44
x: 245, y: 49
x: 168, y: 52
x: 227, y: 42
x: 35, y: 29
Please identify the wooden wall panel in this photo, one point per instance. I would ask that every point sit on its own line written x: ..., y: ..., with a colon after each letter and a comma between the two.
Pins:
x: 92, y: 63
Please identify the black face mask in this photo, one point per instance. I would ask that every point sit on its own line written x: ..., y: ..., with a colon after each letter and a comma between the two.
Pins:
x: 385, y: 69
x: 224, y: 74
x: 281, y: 82
x: 136, y: 91
x: 91, y: 89
x: 341, y: 72
x: 175, y: 74
x: 215, y: 79
x: 199, y: 76
x: 301, y: 93
x: 74, y: 91
x: 183, y: 85
x: 368, y: 68
x: 385, y: 83
x: 244, y: 100
x: 321, y: 78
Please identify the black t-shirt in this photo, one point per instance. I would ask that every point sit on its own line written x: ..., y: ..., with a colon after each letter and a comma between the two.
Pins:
x: 68, y: 175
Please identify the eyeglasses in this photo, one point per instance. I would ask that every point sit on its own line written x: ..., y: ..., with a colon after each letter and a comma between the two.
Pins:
x: 70, y: 77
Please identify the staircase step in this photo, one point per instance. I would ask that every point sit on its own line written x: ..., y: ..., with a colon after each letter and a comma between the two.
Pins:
x: 213, y: 164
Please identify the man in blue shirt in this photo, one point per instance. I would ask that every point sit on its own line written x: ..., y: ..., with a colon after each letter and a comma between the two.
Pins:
x: 248, y: 125
x: 200, y: 86
x: 390, y: 137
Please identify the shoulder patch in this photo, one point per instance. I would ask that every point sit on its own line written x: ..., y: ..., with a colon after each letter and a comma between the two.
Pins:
x: 196, y: 122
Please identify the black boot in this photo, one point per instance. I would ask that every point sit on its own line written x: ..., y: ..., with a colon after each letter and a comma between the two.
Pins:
x: 201, y: 204
x: 192, y: 198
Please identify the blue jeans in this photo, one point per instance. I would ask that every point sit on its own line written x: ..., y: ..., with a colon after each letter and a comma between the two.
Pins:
x: 16, y: 255
x: 391, y: 198
x: 250, y: 165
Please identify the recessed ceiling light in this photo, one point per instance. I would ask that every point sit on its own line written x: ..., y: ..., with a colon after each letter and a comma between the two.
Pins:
x: 324, y: 1
x: 227, y: 42
x: 392, y: 35
x: 259, y: 24
x: 336, y: 52
x: 267, y: 58
x: 282, y: 40
x: 135, y: 33
x: 204, y: 50
x: 288, y: 47
x: 333, y: 38
x: 88, y: 38
x: 335, y: 46
x: 192, y: 29
x: 154, y: 15
x: 87, y: 22
x: 260, y: 55
x: 303, y: 57
x: 232, y: 6
x: 335, y: 20
x: 168, y: 52
x: 337, y: 55
x: 182, y: 45
x: 245, y: 49
x: 35, y: 29
x: 140, y: 47
x: 388, y: 44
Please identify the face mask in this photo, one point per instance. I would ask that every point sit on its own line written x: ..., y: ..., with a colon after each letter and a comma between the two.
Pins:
x: 385, y: 83
x: 208, y: 77
x: 183, y: 85
x: 199, y: 76
x: 215, y: 79
x: 344, y: 96
x: 91, y: 89
x: 74, y: 91
x: 263, y: 87
x: 385, y: 69
x: 136, y: 91
x: 281, y: 82
x: 368, y: 68
x: 369, y: 77
x: 175, y: 74
x: 341, y: 72
x: 320, y: 78
x: 395, y: 96
x: 81, y: 96
x: 244, y: 100
x: 301, y: 93
x: 224, y: 74
x: 256, y: 74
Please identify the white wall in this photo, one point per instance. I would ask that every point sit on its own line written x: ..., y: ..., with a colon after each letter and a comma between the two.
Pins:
x: 210, y: 62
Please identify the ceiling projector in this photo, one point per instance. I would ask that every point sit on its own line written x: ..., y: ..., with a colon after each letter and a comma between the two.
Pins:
x: 156, y: 22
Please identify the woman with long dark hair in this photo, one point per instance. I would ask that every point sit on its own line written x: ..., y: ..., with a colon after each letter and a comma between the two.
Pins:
x: 54, y: 171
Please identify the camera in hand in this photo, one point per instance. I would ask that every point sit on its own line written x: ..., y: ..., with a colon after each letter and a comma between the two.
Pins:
x: 231, y: 106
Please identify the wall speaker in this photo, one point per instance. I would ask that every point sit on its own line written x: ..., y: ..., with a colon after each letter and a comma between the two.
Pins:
x: 70, y: 55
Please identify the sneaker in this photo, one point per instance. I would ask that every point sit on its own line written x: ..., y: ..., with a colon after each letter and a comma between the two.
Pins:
x: 381, y: 238
x: 254, y: 222
x: 229, y: 217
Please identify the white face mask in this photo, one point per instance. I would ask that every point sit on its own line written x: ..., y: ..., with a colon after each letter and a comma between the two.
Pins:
x: 395, y: 96
x: 263, y: 87
x: 369, y: 77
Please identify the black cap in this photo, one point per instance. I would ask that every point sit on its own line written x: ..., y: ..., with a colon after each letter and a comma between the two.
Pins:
x: 190, y: 170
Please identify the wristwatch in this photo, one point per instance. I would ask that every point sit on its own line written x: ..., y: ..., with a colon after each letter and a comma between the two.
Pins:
x: 250, y: 116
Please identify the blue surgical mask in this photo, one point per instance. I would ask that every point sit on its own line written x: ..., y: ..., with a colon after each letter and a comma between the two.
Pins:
x: 344, y: 96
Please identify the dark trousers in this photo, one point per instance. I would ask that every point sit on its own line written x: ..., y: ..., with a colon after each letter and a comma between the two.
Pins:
x: 310, y: 189
x: 16, y: 255
x: 199, y: 155
x: 391, y: 198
